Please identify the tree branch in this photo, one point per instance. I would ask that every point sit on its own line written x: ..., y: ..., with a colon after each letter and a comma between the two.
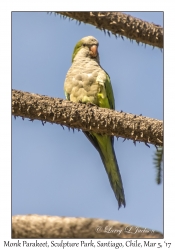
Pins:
x: 121, y: 24
x: 37, y: 226
x: 87, y: 117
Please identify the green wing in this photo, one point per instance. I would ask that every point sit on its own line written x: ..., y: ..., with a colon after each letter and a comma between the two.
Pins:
x: 105, y: 95
x: 109, y: 92
x: 104, y: 145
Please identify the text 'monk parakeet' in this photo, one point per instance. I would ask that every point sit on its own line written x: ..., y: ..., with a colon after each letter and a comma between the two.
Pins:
x: 86, y: 81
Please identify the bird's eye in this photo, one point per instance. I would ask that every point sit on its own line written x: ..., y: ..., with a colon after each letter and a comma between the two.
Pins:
x: 84, y: 44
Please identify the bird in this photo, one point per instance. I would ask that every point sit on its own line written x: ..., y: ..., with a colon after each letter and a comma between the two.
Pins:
x: 87, y: 82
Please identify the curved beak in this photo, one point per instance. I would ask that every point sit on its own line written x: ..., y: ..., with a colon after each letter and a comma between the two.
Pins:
x: 93, y: 50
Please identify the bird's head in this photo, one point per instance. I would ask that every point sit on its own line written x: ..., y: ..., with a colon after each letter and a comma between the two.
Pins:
x: 86, y: 47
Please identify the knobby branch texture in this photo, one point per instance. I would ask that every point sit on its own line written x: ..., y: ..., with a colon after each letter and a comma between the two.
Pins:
x: 39, y: 226
x: 87, y: 117
x: 121, y: 24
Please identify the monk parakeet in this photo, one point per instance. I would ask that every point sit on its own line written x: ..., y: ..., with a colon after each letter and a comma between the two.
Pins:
x: 86, y: 81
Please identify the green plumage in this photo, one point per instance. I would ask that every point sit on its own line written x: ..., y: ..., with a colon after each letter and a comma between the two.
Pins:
x: 86, y: 81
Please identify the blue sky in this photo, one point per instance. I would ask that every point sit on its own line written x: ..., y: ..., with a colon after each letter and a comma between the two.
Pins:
x: 58, y: 172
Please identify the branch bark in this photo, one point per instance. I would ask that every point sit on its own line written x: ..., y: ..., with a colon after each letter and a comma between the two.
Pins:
x: 87, y: 117
x: 37, y: 226
x: 121, y: 24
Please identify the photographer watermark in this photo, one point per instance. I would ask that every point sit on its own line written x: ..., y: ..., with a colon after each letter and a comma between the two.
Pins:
x: 128, y: 230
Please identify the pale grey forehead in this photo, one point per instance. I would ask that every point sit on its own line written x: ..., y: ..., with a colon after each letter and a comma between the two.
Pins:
x: 89, y: 39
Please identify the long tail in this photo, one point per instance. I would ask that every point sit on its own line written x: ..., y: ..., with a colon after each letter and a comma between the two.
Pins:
x: 104, y: 145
